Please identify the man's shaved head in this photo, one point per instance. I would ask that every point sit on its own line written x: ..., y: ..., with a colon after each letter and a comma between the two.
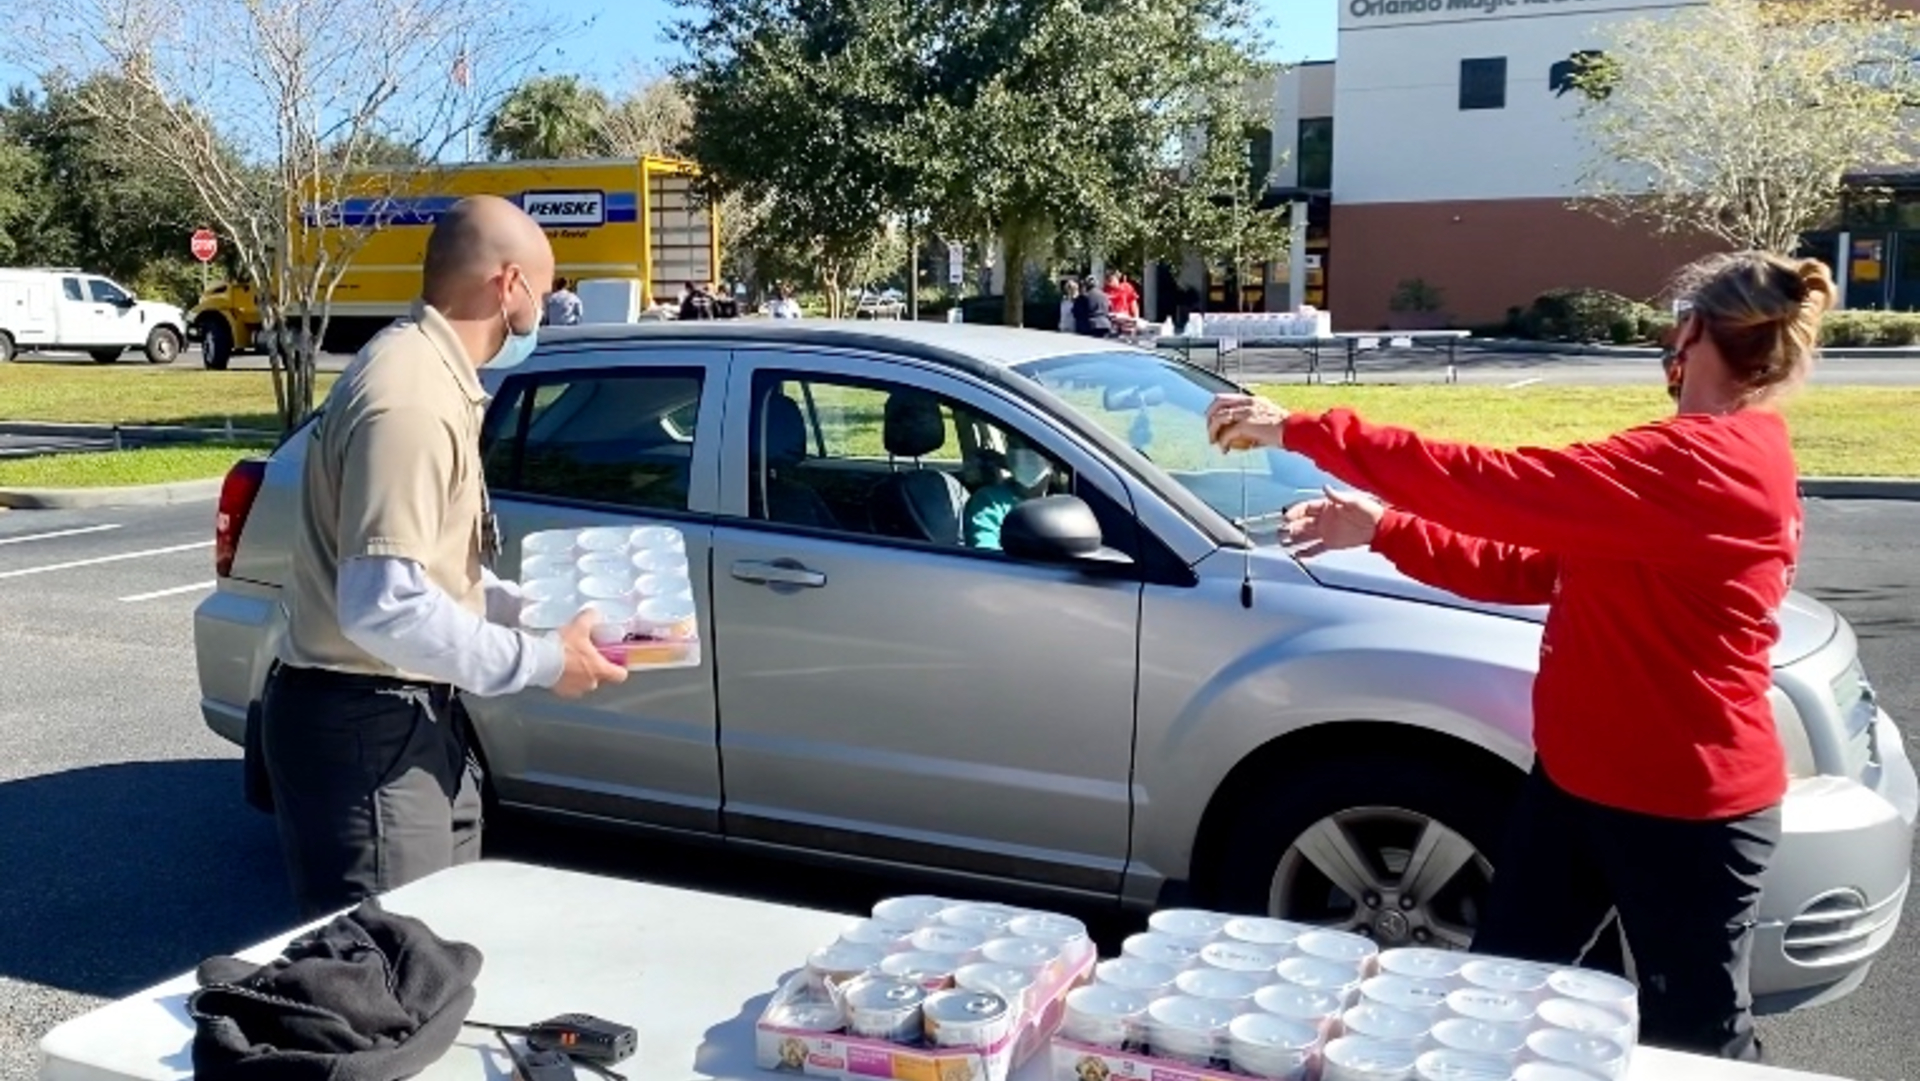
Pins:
x: 473, y: 243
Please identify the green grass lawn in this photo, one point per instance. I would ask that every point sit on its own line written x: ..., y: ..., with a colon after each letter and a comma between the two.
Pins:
x: 121, y: 469
x: 125, y: 394
x: 1837, y: 431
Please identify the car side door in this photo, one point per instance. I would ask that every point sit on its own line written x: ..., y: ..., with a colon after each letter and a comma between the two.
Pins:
x: 613, y: 434
x: 82, y: 320
x: 119, y: 318
x: 910, y: 698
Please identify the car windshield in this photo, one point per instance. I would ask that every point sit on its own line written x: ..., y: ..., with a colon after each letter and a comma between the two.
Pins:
x: 1158, y: 406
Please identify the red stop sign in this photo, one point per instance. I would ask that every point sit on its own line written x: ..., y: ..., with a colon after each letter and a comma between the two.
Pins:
x: 204, y: 245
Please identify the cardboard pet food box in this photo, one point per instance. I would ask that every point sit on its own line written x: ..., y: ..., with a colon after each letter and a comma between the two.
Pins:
x: 636, y: 578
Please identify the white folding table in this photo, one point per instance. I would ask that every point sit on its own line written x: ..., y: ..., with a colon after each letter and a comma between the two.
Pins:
x: 691, y: 971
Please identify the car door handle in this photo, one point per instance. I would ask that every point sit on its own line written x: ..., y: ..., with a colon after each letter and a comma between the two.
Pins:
x: 782, y: 572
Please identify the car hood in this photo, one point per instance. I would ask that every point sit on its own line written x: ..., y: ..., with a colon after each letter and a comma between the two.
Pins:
x: 1805, y: 624
x: 161, y: 312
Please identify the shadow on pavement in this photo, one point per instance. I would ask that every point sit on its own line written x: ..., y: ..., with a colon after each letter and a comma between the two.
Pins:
x: 114, y: 877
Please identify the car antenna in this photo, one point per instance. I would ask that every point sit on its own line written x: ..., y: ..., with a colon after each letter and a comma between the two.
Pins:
x: 1246, y: 554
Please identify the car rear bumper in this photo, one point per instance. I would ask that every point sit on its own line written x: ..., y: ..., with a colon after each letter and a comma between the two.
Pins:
x: 234, y: 639
x: 1838, y: 881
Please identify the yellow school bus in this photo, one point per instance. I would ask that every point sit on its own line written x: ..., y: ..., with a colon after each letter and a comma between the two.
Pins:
x: 608, y: 218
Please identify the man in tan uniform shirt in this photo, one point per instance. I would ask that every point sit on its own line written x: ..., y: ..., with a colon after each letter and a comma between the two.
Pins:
x: 392, y: 610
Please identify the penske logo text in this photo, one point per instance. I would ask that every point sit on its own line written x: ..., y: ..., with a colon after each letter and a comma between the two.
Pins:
x: 559, y: 209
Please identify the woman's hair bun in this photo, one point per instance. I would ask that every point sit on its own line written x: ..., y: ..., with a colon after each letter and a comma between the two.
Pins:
x: 1817, y: 283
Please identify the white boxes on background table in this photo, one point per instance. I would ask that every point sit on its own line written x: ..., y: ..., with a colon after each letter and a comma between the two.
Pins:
x: 927, y: 989
x: 1201, y: 996
x: 1270, y: 326
x: 634, y: 577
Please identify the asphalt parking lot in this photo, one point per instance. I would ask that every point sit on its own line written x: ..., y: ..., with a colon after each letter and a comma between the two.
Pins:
x: 126, y: 854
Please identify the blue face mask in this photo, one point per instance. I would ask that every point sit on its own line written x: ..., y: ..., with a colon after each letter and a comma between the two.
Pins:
x: 518, y: 347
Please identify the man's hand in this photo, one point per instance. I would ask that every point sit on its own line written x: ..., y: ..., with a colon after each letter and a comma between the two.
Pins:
x: 586, y: 668
x: 1332, y: 523
x: 1243, y: 422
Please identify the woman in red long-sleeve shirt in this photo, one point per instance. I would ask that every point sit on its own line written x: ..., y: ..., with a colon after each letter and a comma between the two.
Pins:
x: 1664, y: 552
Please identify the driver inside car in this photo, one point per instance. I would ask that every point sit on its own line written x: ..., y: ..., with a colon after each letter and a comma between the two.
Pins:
x: 1025, y: 475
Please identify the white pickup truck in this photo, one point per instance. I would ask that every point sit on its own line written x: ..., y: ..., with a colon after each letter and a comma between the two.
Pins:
x: 72, y: 311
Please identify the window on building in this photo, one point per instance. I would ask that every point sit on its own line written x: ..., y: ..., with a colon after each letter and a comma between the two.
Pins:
x: 1260, y: 155
x: 1316, y: 152
x: 1483, y: 83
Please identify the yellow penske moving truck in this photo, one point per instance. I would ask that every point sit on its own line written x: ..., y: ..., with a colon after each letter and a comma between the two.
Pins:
x: 637, y: 219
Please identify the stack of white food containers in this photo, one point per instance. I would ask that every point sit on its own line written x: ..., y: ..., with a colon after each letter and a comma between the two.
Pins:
x: 635, y: 578
x: 927, y: 988
x: 1253, y: 327
x: 1201, y: 995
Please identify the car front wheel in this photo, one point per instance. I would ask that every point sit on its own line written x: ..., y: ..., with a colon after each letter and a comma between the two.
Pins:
x: 163, y: 346
x: 1397, y: 850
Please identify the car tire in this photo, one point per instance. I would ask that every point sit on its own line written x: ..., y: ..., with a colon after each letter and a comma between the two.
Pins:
x: 105, y: 356
x: 216, y: 344
x: 6, y: 347
x: 1388, y: 810
x: 163, y: 345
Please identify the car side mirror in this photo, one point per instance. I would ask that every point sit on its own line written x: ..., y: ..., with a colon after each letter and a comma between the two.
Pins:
x: 1055, y: 529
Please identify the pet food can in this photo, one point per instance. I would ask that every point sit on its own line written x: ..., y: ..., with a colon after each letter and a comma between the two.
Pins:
x: 1034, y: 955
x: 1161, y: 949
x: 915, y: 911
x: 1016, y: 985
x: 1597, y: 1055
x: 1340, y: 947
x: 1516, y: 978
x: 933, y: 971
x: 1385, y: 1024
x: 1599, y: 988
x: 960, y: 943
x: 814, y: 1016
x: 1421, y: 963
x: 1336, y: 979
x: 604, y: 538
x: 1260, y: 931
x: 989, y: 920
x: 559, y: 543
x: 960, y: 1018
x: 882, y: 1008
x: 1479, y: 1004
x: 887, y: 936
x: 1356, y: 1058
x: 1189, y: 1030
x: 1425, y: 997
x: 1446, y: 1064
x: 661, y: 537
x: 1481, y: 1037
x: 1263, y: 1045
x: 1576, y: 1015
x: 1191, y: 924
x: 1317, y: 1008
x: 1230, y: 956
x: 1102, y: 1015
x: 1063, y: 931
x: 1219, y: 985
x: 1132, y: 974
x: 843, y: 961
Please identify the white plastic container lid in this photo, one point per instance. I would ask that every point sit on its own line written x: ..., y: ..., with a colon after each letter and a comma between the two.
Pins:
x: 1134, y: 974
x: 1299, y: 1003
x: 1218, y: 984
x: 1512, y: 977
x: 1106, y: 1002
x: 657, y: 560
x: 917, y: 910
x: 1336, y: 946
x: 845, y: 957
x: 1422, y: 963
x: 1595, y: 1054
x: 1188, y: 923
x: 1483, y: 1005
x: 605, y: 538
x: 1576, y: 1015
x: 939, y: 938
x: 1231, y: 956
x: 1010, y: 983
x: 1260, y: 931
x: 1271, y: 1032
x: 1384, y: 1023
x: 1356, y: 1057
x: 871, y: 932
x: 1450, y: 1065
x: 657, y: 536
x: 1030, y: 953
x: 1481, y: 1037
x: 551, y: 541
x: 1406, y: 993
x: 1188, y: 1022
x: 1161, y: 949
x: 600, y: 587
x: 604, y: 565
x: 1600, y: 988
x: 983, y: 918
x: 1320, y: 975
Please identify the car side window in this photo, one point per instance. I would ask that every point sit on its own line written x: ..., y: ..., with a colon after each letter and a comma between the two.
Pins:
x: 878, y: 459
x: 105, y: 292
x: 623, y: 438
x: 70, y: 287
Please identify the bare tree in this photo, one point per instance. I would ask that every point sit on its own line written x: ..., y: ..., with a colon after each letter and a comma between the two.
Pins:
x: 284, y: 116
x: 1744, y: 120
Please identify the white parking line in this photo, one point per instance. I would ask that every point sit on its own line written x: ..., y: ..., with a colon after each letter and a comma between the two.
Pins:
x: 97, y: 560
x: 174, y: 592
x: 58, y: 533
x: 1525, y: 383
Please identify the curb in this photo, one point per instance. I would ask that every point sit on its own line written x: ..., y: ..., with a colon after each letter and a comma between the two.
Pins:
x: 1641, y: 352
x: 146, y: 433
x: 1860, y: 488
x: 148, y: 495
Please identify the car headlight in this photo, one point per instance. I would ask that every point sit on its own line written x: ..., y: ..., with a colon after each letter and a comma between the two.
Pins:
x: 1793, y: 735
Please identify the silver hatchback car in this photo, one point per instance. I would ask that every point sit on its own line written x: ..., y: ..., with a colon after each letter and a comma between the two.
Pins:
x: 1088, y: 680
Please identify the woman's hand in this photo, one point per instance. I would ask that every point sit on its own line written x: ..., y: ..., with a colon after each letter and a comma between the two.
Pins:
x: 1243, y: 422
x: 1333, y: 522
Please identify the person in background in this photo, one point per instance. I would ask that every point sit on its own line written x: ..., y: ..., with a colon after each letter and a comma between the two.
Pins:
x: 698, y: 302
x: 1093, y: 312
x: 1069, y: 295
x: 1026, y: 475
x: 392, y: 612
x: 1664, y: 552
x: 784, y: 306
x: 726, y: 302
x: 563, y: 305
x: 1124, y: 297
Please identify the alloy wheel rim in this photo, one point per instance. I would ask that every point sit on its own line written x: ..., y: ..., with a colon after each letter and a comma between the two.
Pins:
x: 1396, y: 876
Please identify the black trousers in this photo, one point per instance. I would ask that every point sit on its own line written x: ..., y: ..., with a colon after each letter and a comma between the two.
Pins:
x: 1687, y: 895
x: 373, y: 783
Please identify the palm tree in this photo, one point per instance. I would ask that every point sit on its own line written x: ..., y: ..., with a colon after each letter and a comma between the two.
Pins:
x: 547, y: 117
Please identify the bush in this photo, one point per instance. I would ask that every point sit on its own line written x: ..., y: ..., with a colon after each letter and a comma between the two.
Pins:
x: 1844, y: 330
x: 1415, y: 295
x: 1585, y: 315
